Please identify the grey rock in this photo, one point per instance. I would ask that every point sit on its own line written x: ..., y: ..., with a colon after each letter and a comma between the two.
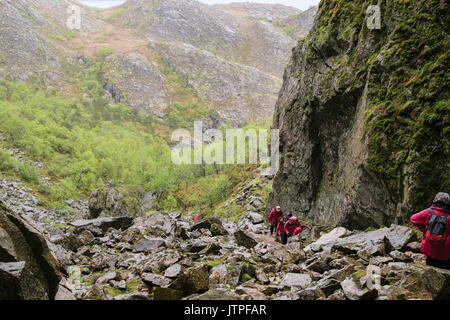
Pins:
x: 400, y: 256
x: 133, y: 296
x: 107, y: 277
x: 353, y: 292
x: 328, y: 285
x: 149, y: 244
x: 244, y: 239
x: 372, y: 242
x: 22, y: 242
x: 256, y: 218
x: 157, y: 280
x: 167, y: 294
x: 64, y: 294
x: 202, y: 224
x: 326, y: 241
x: 400, y: 236
x: 215, y: 294
x: 173, y: 271
x: 296, y: 280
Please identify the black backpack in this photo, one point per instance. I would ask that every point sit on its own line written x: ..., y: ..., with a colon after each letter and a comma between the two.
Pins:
x: 435, y: 232
x: 283, y: 233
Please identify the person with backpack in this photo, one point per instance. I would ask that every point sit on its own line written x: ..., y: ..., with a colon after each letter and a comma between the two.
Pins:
x: 434, y: 222
x: 293, y: 226
x: 280, y: 233
x: 288, y: 227
x: 274, y: 217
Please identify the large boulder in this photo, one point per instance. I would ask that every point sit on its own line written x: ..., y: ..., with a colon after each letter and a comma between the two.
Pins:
x: 193, y: 280
x: 371, y: 242
x: 28, y: 269
x: 326, y: 241
x: 256, y: 218
x: 167, y: 294
x: 159, y: 222
x: 111, y: 202
x: 202, y: 224
x: 400, y: 236
x: 428, y: 279
x: 296, y: 280
x: 149, y: 244
x: 97, y: 202
x: 100, y: 225
x: 244, y: 239
x: 10, y: 274
x: 353, y: 291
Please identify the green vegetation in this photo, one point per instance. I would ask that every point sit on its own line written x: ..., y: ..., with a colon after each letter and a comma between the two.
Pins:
x: 187, y: 106
x: 290, y: 31
x: 85, y: 142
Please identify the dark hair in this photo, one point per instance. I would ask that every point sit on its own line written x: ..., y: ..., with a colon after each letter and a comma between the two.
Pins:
x: 289, y: 214
x: 442, y: 200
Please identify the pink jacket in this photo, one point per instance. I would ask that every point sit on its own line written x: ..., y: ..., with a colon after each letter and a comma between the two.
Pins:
x: 293, y: 227
x: 274, y: 216
x: 420, y: 220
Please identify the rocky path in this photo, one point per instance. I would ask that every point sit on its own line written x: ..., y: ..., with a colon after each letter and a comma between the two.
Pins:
x: 166, y: 256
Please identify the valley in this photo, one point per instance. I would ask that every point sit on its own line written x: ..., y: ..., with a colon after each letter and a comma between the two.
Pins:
x: 94, y: 207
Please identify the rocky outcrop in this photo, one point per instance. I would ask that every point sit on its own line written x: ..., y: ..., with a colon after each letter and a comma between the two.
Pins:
x: 131, y: 78
x: 118, y: 258
x: 26, y: 50
x: 110, y: 201
x: 359, y: 144
x: 28, y: 269
x: 230, y: 61
x: 238, y: 92
x: 237, y: 32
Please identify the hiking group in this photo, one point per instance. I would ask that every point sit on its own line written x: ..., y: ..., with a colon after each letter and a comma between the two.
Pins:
x: 433, y: 222
x: 284, y: 226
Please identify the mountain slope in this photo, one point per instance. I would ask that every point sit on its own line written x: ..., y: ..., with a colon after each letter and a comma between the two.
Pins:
x: 364, y: 115
x: 232, y: 63
x: 235, y: 37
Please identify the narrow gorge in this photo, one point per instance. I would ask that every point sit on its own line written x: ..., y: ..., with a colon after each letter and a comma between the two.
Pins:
x: 93, y: 207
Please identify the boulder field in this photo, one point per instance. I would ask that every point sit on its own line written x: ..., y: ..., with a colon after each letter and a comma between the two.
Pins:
x: 166, y: 256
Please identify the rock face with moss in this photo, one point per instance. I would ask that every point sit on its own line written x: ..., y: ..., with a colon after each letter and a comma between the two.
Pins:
x: 28, y: 269
x: 364, y: 115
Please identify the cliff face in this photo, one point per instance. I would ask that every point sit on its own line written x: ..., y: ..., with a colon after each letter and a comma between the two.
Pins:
x: 230, y: 58
x: 364, y: 115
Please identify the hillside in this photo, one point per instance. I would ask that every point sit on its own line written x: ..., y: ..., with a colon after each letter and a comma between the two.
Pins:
x: 94, y: 207
x: 129, y: 81
x: 364, y: 115
x: 244, y: 56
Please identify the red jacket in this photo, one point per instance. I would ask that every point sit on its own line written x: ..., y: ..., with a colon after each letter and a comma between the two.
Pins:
x: 275, y: 216
x: 420, y: 220
x: 280, y: 228
x: 293, y: 227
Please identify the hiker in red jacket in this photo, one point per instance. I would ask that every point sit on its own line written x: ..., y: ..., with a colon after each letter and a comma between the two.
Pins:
x: 434, y: 222
x: 293, y: 226
x: 280, y: 228
x: 274, y: 217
